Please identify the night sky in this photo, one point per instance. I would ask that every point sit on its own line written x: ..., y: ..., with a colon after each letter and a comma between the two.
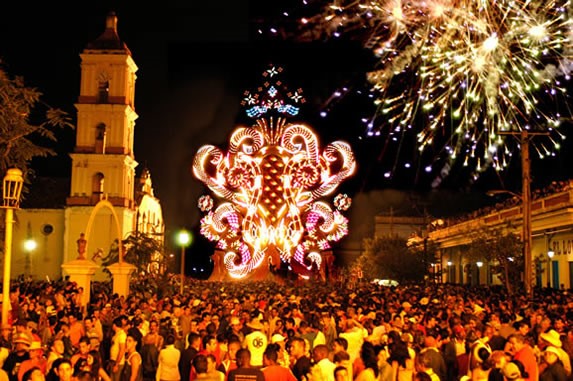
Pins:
x: 195, y: 60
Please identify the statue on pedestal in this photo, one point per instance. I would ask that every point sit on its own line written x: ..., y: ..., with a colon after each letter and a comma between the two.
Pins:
x: 82, y: 243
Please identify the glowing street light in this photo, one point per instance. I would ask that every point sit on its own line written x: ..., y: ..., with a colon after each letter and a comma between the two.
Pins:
x: 11, y: 191
x: 550, y: 254
x: 29, y: 246
x: 184, y: 240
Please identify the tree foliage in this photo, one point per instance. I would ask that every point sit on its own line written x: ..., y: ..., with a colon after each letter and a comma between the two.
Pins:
x: 27, y: 125
x: 504, y: 252
x: 390, y: 258
x: 141, y: 250
x: 147, y: 255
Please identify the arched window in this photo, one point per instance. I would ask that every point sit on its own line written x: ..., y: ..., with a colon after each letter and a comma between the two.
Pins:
x: 103, y: 92
x: 101, y: 131
x: 97, y: 185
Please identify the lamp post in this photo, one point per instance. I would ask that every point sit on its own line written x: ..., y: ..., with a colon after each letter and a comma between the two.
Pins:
x: 550, y: 254
x: 11, y: 191
x: 479, y: 264
x: 183, y: 239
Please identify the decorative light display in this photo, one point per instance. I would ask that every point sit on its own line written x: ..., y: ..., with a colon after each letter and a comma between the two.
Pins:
x: 270, y: 185
x: 454, y: 75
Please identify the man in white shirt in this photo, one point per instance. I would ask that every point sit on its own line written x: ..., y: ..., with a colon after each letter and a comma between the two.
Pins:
x: 354, y: 334
x: 256, y: 342
x: 117, y: 349
x: 323, y: 365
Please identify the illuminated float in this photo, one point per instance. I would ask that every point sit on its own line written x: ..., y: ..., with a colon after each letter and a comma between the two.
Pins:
x: 269, y: 209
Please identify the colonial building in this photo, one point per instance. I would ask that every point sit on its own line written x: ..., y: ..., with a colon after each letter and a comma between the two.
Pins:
x: 552, y: 238
x: 106, y: 201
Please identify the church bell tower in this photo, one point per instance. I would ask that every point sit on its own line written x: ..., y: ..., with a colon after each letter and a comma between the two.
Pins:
x: 103, y: 162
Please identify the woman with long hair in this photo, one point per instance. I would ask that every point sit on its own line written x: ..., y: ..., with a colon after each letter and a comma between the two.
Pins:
x: 402, y: 363
x: 95, y: 366
x: 369, y: 358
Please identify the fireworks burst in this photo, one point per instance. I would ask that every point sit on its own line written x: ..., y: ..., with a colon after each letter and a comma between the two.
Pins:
x: 458, y: 75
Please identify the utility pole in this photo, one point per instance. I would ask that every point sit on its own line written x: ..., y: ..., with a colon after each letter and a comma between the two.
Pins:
x: 526, y: 195
x: 528, y: 271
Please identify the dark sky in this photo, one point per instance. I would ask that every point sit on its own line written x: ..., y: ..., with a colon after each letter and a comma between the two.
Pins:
x: 195, y: 59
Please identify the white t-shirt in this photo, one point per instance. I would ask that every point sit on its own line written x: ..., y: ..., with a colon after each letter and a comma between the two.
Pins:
x: 256, y: 342
x: 120, y: 337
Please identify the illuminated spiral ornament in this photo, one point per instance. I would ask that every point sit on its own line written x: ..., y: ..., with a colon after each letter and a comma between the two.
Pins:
x: 205, y: 203
x: 305, y: 174
x: 342, y: 202
x: 240, y: 176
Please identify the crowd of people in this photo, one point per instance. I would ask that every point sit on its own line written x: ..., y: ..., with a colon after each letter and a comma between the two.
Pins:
x: 286, y: 330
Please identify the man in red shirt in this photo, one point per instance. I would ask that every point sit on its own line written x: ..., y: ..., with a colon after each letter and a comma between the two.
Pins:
x: 523, y: 352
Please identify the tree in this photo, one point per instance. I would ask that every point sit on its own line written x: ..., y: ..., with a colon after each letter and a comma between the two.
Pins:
x: 503, y: 250
x: 390, y: 258
x: 141, y: 250
x: 147, y: 254
x: 27, y: 125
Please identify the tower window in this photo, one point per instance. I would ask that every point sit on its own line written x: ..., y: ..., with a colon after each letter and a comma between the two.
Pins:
x: 103, y: 92
x: 100, y: 138
x: 97, y: 184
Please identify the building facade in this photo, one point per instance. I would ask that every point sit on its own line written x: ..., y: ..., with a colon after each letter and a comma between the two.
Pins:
x: 106, y: 200
x: 552, y: 239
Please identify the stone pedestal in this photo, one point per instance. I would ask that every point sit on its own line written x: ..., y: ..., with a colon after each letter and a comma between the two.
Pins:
x: 81, y: 271
x: 121, y: 273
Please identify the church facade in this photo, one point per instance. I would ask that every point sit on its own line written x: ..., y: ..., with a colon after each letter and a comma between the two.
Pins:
x: 107, y: 201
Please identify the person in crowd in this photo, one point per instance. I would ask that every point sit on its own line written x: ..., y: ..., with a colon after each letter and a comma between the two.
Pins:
x: 212, y: 370
x: 551, y: 338
x: 301, y: 363
x: 229, y: 361
x: 84, y: 348
x: 341, y: 374
x: 256, y: 341
x: 498, y: 360
x: 201, y: 367
x: 56, y: 352
x: 322, y: 363
x: 553, y: 370
x: 514, y: 370
x: 423, y: 364
x: 36, y: 360
x: 188, y: 354
x: 354, y: 333
x: 64, y: 370
x: 369, y: 359
x: 244, y: 369
x: 272, y: 370
x: 168, y: 361
x: 117, y: 350
x: 21, y: 343
x: 33, y: 374
x: 95, y: 366
x: 435, y: 356
x: 152, y: 344
x: 523, y: 352
x: 133, y: 370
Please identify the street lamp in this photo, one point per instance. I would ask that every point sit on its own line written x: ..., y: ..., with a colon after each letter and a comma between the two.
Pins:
x: 183, y: 239
x: 550, y: 254
x: 479, y: 264
x: 525, y: 198
x: 29, y: 246
x: 11, y: 191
